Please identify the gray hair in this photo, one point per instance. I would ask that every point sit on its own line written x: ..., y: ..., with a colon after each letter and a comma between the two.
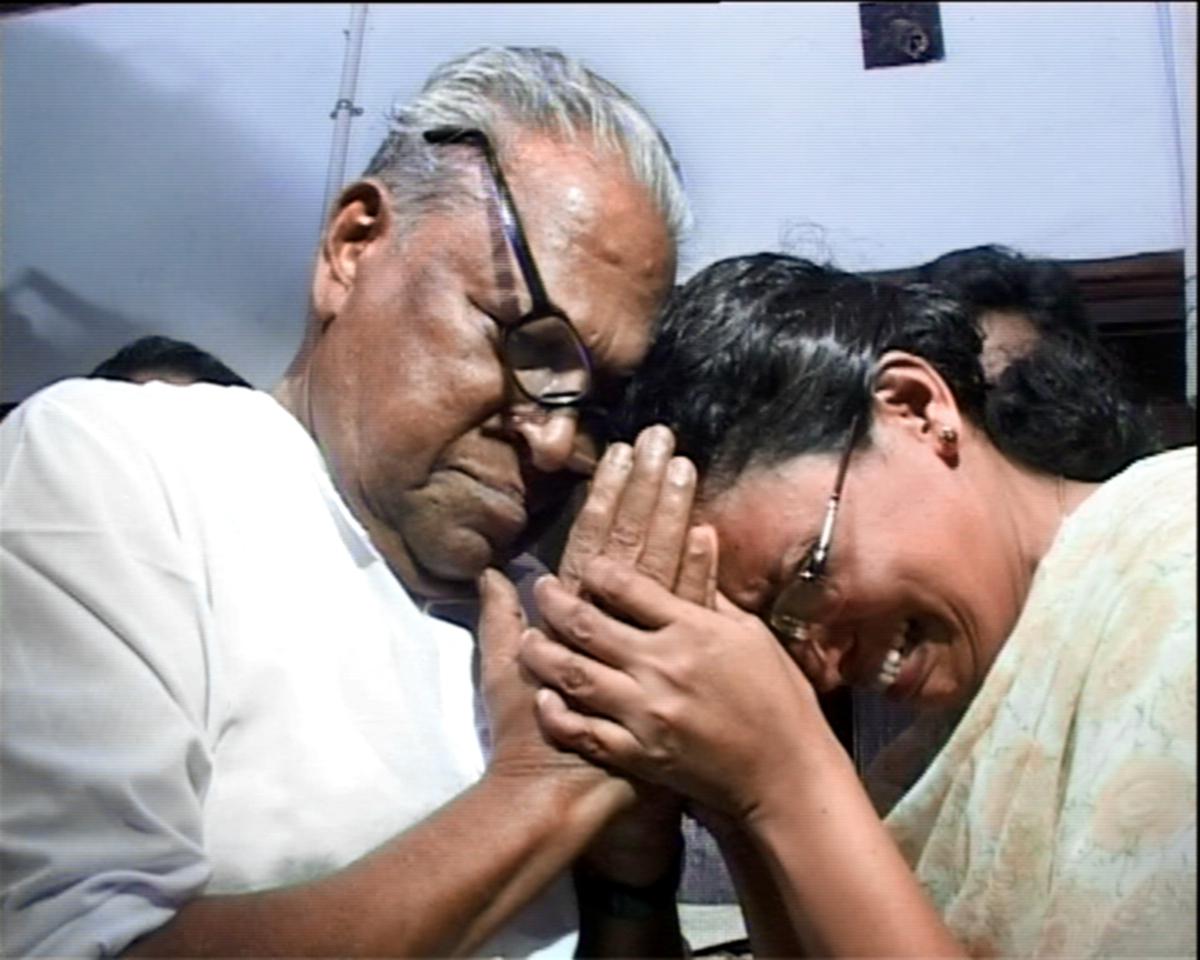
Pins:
x: 520, y: 88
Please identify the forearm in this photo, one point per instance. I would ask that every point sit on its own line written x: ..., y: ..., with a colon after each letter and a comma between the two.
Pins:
x: 842, y: 880
x: 654, y: 933
x: 768, y: 924
x: 441, y: 888
x: 631, y: 919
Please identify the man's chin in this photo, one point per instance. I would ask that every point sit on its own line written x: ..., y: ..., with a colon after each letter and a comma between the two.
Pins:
x: 449, y: 568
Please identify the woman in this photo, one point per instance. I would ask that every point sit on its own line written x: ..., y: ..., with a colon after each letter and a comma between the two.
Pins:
x: 901, y: 526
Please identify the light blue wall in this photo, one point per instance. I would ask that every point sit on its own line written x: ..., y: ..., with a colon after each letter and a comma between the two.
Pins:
x: 163, y: 165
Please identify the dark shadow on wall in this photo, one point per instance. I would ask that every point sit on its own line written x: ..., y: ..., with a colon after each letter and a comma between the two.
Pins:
x: 131, y: 206
x: 34, y: 296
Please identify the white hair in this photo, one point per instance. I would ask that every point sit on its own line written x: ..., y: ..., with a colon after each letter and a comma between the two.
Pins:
x: 507, y: 90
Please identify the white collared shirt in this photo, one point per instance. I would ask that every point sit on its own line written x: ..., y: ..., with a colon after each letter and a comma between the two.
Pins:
x: 211, y: 681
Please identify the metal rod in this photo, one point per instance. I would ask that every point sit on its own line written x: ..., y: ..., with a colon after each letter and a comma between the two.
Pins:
x: 344, y: 109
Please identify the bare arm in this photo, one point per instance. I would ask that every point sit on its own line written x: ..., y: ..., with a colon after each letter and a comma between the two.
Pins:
x: 709, y: 703
x: 439, y: 889
x: 447, y: 884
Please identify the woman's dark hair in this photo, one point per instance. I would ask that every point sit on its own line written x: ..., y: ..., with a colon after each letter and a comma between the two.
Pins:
x: 762, y: 358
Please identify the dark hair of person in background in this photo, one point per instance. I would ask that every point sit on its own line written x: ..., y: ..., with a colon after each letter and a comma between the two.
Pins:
x: 778, y: 357
x: 996, y: 278
x: 162, y: 358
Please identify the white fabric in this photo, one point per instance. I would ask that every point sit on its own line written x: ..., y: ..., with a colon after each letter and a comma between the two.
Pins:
x: 211, y: 681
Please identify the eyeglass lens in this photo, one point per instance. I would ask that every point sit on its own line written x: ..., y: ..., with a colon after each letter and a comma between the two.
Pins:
x: 547, y: 360
x: 798, y: 604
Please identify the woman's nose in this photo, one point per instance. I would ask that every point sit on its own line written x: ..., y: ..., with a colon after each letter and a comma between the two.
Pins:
x: 819, y: 657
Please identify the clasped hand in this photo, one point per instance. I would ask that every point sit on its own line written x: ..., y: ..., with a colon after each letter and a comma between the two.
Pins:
x: 696, y: 698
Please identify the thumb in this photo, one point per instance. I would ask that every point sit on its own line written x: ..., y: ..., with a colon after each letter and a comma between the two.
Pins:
x: 501, y: 621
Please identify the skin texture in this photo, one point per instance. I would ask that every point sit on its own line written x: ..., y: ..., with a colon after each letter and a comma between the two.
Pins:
x: 400, y: 384
x: 1007, y: 335
x: 708, y: 702
x: 536, y: 809
x: 944, y: 537
x: 400, y: 381
x: 638, y: 515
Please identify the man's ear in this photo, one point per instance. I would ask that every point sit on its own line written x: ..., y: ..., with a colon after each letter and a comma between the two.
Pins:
x: 911, y: 395
x: 361, y: 218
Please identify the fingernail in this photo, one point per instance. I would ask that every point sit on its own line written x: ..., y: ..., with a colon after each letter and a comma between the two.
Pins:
x: 654, y: 439
x: 679, y: 471
x: 620, y: 454
x: 484, y: 580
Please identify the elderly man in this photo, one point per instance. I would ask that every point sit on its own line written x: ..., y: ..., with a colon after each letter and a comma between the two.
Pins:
x: 232, y: 724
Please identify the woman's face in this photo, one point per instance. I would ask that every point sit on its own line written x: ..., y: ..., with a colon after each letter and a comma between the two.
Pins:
x: 919, y: 572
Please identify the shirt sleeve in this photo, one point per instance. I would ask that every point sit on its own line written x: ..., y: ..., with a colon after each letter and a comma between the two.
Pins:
x: 104, y: 675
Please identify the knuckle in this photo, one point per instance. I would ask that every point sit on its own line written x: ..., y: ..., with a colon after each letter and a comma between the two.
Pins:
x: 665, y: 716
x: 657, y: 563
x: 625, y: 537
x: 574, y: 677
x: 579, y: 624
x: 608, y: 578
x: 586, y: 743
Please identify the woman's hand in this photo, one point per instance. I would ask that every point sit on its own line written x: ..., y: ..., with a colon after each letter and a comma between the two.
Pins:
x: 702, y: 700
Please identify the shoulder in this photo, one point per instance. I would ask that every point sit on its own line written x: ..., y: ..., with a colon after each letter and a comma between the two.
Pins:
x: 1147, y: 510
x: 109, y: 419
x: 94, y: 451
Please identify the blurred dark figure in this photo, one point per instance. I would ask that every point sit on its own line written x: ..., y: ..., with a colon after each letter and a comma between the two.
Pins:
x: 161, y: 358
x: 1013, y: 298
x: 1018, y: 303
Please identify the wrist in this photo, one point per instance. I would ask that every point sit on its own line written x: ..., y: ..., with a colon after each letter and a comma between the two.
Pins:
x: 572, y: 803
x: 599, y: 893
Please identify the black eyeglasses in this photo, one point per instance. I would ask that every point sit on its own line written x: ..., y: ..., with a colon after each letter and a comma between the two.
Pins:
x: 542, y: 349
x: 801, y: 600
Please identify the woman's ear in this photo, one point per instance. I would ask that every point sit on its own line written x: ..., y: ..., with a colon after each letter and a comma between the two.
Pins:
x: 911, y: 395
x: 361, y: 217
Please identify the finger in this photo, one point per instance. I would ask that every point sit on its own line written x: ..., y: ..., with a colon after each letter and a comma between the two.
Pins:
x: 582, y: 625
x: 590, y: 530
x: 651, y: 453
x: 697, y: 582
x: 633, y: 596
x: 586, y: 683
x: 501, y: 622
x: 598, y: 739
x: 660, y: 557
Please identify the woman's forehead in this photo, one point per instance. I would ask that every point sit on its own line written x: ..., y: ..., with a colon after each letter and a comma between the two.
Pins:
x: 762, y: 520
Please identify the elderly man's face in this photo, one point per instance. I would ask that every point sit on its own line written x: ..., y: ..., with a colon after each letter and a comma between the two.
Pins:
x: 407, y: 395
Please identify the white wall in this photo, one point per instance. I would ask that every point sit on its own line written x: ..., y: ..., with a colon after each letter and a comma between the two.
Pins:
x: 163, y: 165
x: 1178, y: 25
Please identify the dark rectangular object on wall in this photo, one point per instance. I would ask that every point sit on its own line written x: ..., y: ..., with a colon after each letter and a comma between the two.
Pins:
x: 898, y: 34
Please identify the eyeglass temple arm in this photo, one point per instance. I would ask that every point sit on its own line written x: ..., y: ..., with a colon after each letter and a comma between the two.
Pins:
x: 823, y: 540
x: 509, y: 218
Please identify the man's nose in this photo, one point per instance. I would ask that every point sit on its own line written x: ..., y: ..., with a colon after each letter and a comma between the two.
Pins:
x: 554, y: 440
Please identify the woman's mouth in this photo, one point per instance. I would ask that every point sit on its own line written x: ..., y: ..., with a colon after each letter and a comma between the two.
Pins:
x: 906, y: 640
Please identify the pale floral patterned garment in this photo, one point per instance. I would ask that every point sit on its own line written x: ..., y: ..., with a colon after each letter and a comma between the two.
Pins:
x: 1059, y: 819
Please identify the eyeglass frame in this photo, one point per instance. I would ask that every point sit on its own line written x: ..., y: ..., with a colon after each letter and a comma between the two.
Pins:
x: 811, y: 569
x: 541, y: 306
